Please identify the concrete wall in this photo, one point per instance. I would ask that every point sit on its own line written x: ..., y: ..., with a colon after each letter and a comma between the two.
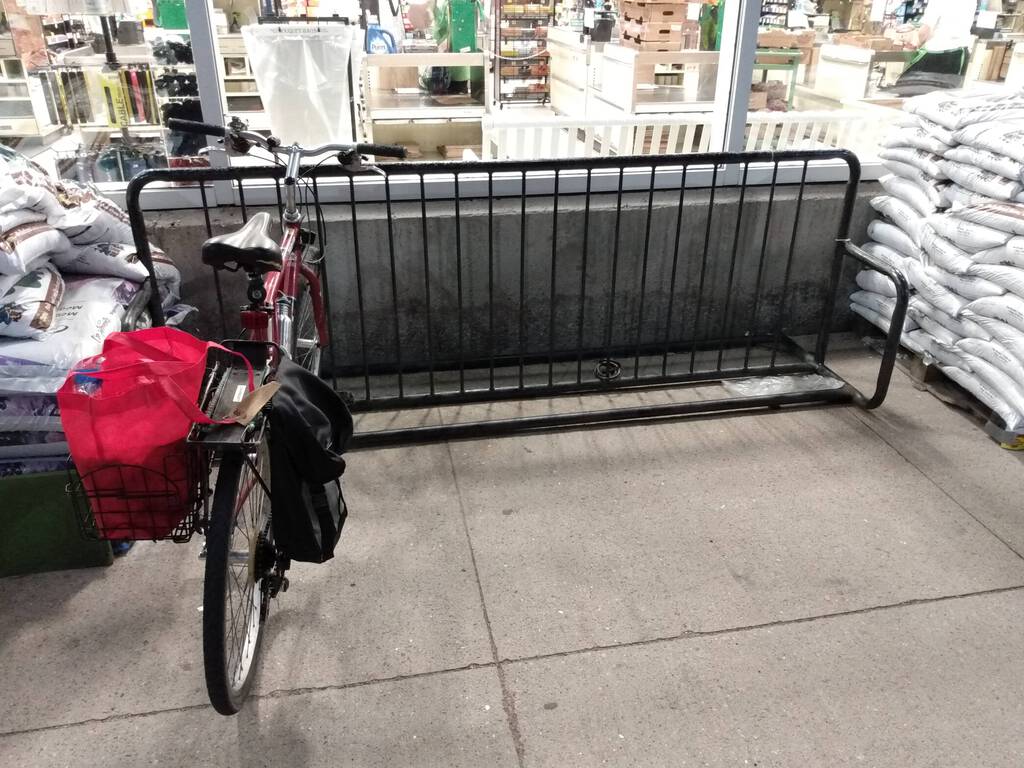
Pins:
x: 516, y: 252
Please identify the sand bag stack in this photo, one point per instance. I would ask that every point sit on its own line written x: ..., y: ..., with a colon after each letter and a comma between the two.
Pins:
x: 68, y: 272
x: 966, y: 313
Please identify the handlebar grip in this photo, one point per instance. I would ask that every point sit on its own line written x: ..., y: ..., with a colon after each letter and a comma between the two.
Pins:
x: 203, y: 129
x: 384, y: 150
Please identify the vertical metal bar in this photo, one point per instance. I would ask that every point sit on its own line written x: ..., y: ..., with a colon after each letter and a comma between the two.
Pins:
x: 325, y: 280
x: 216, y: 272
x: 280, y: 202
x: 672, y: 279
x: 394, y: 286
x: 458, y: 283
x: 359, y: 285
x: 490, y: 274
x: 842, y: 235
x: 206, y: 209
x: 522, y: 276
x: 703, y: 268
x: 752, y: 331
x: 554, y: 268
x: 643, y: 275
x: 241, y: 202
x: 780, y: 320
x: 615, y: 269
x: 426, y: 282
x: 583, y: 280
x: 732, y: 266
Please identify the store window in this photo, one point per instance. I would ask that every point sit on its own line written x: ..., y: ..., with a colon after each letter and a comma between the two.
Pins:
x: 831, y: 73
x: 491, y: 79
x: 88, y: 84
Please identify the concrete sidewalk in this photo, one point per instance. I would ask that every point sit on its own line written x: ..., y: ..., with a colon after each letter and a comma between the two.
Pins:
x: 801, y: 588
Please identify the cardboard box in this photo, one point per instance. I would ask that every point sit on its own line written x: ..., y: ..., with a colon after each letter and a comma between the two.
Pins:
x: 653, y: 31
x: 652, y: 46
x: 782, y: 38
x: 662, y: 13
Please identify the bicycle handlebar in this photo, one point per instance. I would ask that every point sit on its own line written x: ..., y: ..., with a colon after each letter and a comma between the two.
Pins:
x: 208, y: 129
x: 203, y: 129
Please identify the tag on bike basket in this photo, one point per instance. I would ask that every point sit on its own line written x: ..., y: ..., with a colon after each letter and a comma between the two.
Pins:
x: 251, y: 404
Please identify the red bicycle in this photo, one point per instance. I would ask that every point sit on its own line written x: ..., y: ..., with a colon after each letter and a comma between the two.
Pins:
x: 285, y: 316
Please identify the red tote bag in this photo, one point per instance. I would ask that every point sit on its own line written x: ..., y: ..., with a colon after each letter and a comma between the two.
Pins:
x: 126, y: 413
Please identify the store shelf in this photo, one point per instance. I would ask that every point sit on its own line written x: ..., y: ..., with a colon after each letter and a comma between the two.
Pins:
x: 394, y: 106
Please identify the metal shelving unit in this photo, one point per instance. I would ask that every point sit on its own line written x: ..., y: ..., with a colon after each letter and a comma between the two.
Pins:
x: 522, y: 73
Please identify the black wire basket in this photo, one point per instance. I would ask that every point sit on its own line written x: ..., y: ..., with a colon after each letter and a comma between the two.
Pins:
x: 121, y: 502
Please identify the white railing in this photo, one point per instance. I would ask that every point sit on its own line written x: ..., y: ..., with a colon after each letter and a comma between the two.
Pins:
x: 513, y: 139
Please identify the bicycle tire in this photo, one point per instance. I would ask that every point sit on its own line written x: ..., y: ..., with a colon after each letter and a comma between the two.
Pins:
x: 306, y: 349
x: 228, y: 684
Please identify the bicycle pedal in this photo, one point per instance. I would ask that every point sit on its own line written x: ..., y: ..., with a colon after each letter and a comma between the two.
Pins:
x: 284, y: 583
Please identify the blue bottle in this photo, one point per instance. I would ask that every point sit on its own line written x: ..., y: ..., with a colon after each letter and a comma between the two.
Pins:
x: 379, y: 40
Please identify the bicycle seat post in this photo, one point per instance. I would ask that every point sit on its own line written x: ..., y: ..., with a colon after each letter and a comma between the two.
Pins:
x: 254, y: 316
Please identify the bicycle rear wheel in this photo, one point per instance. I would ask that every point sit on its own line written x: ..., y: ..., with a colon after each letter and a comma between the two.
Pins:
x: 239, y: 555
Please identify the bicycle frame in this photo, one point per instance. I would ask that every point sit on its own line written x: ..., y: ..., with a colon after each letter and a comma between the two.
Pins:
x: 281, y: 287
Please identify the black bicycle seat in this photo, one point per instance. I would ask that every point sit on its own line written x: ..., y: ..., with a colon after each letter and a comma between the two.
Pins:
x: 250, y: 248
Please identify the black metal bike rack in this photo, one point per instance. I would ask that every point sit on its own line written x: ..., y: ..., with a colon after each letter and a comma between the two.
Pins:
x: 455, y: 283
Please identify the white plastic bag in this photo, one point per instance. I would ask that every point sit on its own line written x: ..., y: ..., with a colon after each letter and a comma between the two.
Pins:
x: 957, y: 108
x: 933, y: 292
x: 902, y: 214
x: 302, y: 72
x: 26, y: 246
x: 969, y: 286
x: 917, y: 137
x: 1011, y: 253
x: 924, y: 316
x: 933, y: 348
x: 943, y: 253
x: 1004, y: 386
x: 886, y: 255
x: 29, y: 412
x: 924, y: 199
x: 1010, y: 278
x: 1007, y: 217
x: 875, y: 282
x: 760, y: 386
x: 1008, y: 308
x: 988, y: 161
x: 988, y: 395
x: 957, y: 197
x: 965, y: 234
x: 995, y: 354
x: 983, y: 182
x: 121, y: 260
x: 1005, y: 138
x: 892, y: 236
x: 924, y: 161
x: 1009, y: 337
x: 960, y: 326
x: 28, y: 304
x: 93, y: 308
x: 880, y: 305
x: 879, y: 321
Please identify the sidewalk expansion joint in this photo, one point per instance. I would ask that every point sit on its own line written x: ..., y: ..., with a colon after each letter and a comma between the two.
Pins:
x: 507, y: 698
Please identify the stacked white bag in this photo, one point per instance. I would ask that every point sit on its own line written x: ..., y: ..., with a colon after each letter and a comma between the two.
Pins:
x: 67, y: 274
x: 967, y: 273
